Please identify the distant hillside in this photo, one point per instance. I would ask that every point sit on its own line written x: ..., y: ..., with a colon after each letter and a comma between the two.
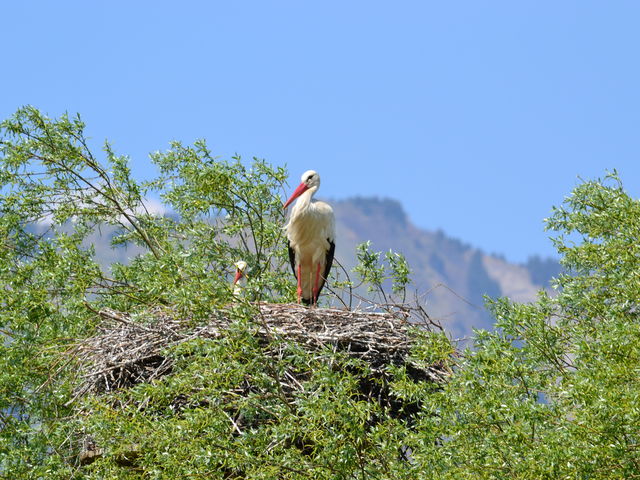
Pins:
x: 453, y: 275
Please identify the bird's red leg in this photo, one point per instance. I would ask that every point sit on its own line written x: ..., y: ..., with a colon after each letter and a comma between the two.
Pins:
x: 315, y: 286
x: 299, y: 283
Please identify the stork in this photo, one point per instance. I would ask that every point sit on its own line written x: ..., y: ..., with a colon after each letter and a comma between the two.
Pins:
x: 311, y: 233
x: 240, y: 279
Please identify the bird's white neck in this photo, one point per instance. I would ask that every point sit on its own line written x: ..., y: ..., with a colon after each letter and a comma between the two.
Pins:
x: 239, y: 286
x: 303, y: 201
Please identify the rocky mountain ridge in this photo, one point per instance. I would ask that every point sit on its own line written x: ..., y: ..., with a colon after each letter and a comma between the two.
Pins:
x: 451, y: 276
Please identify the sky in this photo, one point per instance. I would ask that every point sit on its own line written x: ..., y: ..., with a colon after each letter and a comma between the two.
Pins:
x: 477, y: 116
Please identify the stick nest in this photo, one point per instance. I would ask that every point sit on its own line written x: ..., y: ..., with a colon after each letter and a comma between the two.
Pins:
x: 128, y: 351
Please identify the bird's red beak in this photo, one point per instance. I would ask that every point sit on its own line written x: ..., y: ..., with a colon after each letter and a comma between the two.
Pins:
x: 238, y: 276
x: 303, y: 187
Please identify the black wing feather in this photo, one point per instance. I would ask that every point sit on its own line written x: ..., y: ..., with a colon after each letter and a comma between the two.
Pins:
x: 327, y: 266
x: 292, y: 259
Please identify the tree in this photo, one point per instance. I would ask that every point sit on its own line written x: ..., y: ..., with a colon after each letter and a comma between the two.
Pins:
x: 552, y: 392
x: 52, y: 285
x: 186, y: 423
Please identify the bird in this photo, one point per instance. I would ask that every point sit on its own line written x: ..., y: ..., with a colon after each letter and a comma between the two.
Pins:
x: 311, y: 233
x: 240, y: 279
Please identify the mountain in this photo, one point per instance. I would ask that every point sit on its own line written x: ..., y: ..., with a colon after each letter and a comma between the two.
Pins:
x: 450, y: 276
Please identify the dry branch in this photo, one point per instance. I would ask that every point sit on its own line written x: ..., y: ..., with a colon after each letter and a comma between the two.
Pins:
x: 129, y: 351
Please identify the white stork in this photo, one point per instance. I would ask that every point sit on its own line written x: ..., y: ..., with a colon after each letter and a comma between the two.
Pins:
x: 311, y: 232
x: 241, y: 278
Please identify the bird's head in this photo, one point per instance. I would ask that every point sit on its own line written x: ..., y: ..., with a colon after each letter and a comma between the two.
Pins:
x: 241, y: 267
x: 310, y: 179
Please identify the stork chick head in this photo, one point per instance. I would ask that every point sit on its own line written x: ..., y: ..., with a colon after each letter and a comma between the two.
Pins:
x: 241, y: 266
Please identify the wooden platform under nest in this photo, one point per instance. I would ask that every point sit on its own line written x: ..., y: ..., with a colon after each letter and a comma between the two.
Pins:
x: 127, y: 352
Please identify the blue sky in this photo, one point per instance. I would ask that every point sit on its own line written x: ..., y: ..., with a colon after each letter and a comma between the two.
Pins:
x: 477, y: 116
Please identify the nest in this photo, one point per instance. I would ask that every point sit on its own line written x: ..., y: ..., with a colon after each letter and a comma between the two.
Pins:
x: 127, y: 351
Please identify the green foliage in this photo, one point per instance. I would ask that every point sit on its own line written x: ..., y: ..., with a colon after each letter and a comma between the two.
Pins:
x: 221, y: 430
x: 552, y: 392
x: 55, y: 194
x: 227, y: 212
x: 374, y: 274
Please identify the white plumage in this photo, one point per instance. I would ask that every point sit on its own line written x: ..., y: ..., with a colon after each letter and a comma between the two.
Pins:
x: 311, y: 235
x: 240, y: 279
